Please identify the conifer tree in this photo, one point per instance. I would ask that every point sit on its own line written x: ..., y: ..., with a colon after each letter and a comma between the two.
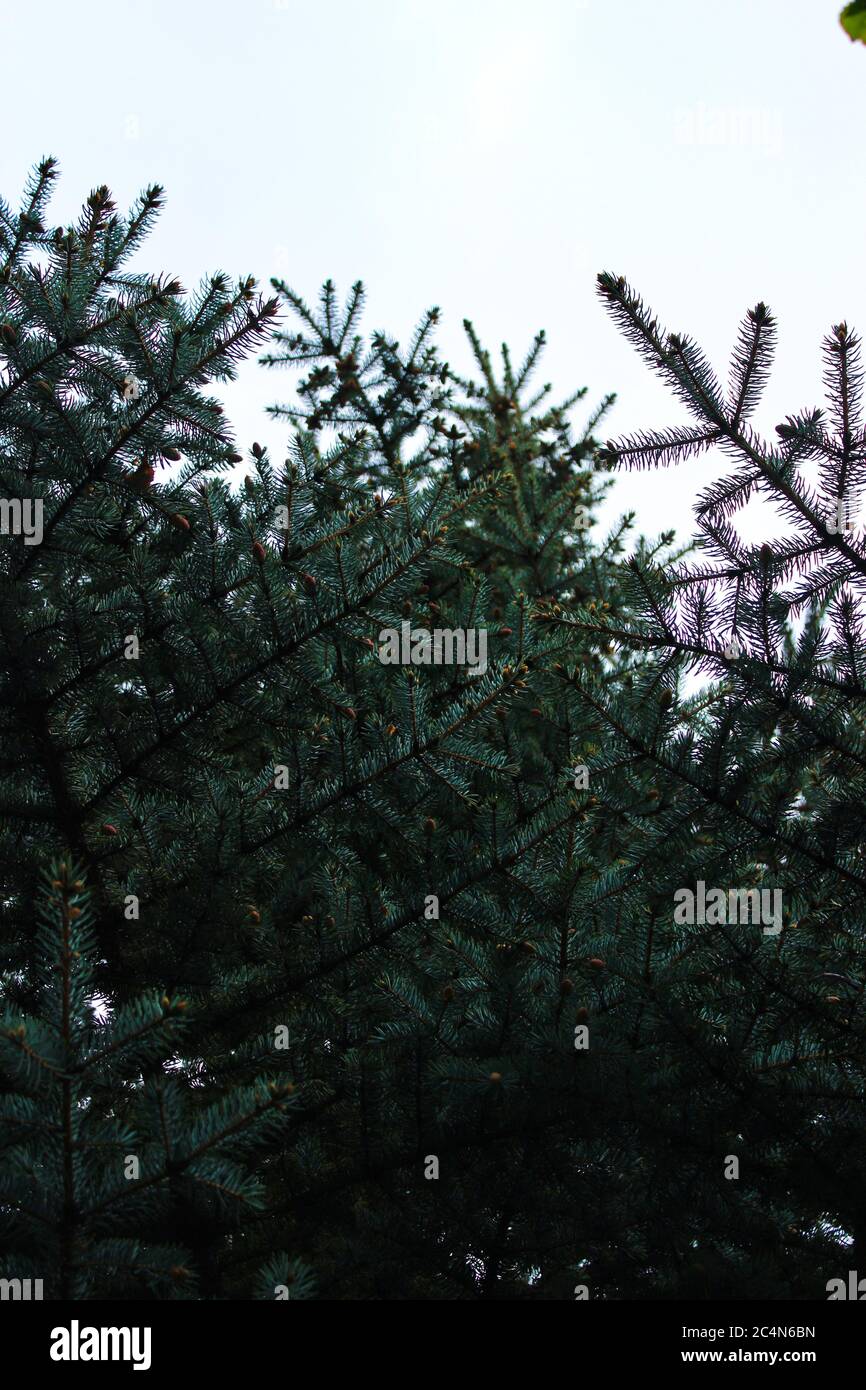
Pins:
x: 94, y: 1156
x: 755, y: 1031
x: 444, y: 1035
x: 100, y: 400
x: 361, y: 876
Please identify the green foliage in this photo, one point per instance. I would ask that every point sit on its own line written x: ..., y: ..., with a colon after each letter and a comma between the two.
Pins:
x: 853, y: 20
x: 383, y: 894
x: 759, y: 779
x: 107, y: 1142
x: 296, y: 907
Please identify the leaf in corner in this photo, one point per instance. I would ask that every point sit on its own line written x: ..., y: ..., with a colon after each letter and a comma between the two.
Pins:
x: 853, y: 20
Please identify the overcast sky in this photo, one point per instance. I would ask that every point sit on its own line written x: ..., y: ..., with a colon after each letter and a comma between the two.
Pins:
x: 483, y: 155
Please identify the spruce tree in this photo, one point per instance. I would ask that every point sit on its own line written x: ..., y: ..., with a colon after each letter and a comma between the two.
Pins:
x: 95, y: 1157
x: 365, y: 880
x: 375, y: 967
x: 753, y: 1033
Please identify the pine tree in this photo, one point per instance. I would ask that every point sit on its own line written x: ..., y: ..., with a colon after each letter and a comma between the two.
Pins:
x: 263, y: 811
x: 100, y: 395
x: 753, y: 1034
x: 95, y: 1156
x: 433, y: 907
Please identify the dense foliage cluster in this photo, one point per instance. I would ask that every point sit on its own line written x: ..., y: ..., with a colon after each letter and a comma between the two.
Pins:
x: 363, y: 980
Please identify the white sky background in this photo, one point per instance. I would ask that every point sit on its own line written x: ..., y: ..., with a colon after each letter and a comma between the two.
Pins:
x: 484, y: 155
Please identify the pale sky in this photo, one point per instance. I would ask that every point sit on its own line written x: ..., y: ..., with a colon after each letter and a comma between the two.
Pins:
x: 483, y: 155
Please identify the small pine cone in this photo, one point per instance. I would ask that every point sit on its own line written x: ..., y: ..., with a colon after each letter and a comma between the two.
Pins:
x: 566, y: 986
x: 495, y: 1077
x: 109, y: 830
x: 258, y: 552
x: 179, y: 521
x: 429, y: 826
x: 309, y: 583
x: 596, y: 963
x: 172, y: 455
x: 258, y: 451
